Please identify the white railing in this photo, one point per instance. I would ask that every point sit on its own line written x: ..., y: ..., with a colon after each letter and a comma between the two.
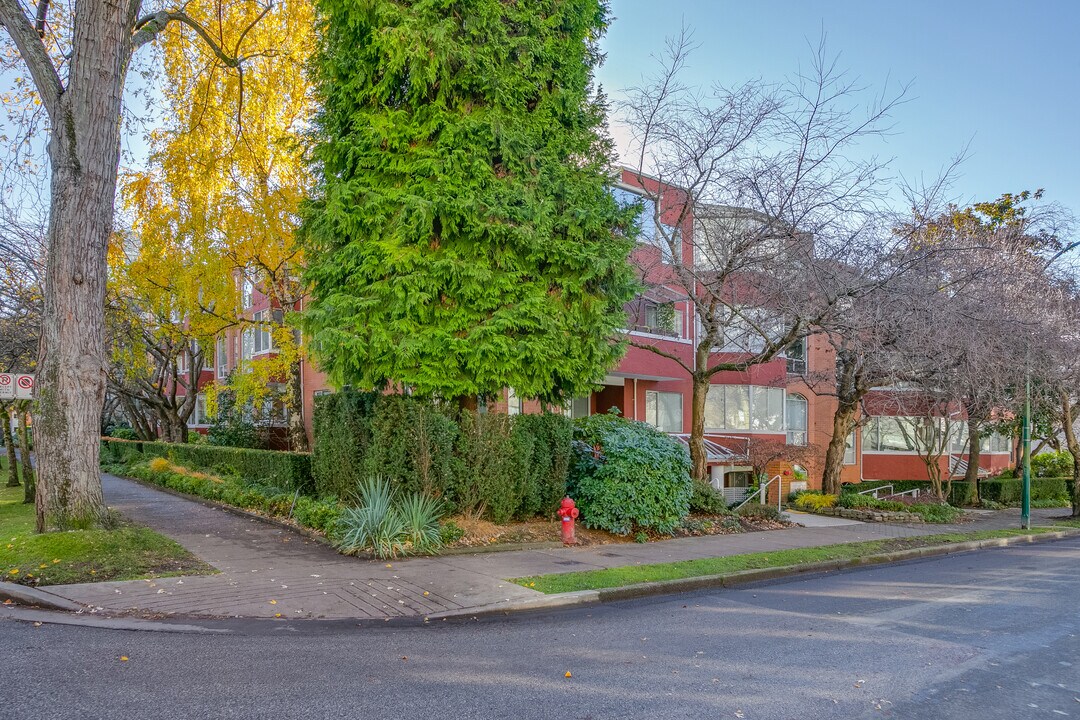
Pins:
x: 763, y: 493
x: 914, y: 492
x: 734, y: 494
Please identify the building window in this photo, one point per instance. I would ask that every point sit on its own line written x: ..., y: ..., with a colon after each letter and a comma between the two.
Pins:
x: 849, y: 449
x: 885, y: 433
x: 199, y: 417
x: 652, y: 231
x: 247, y: 293
x: 767, y: 408
x: 745, y: 407
x: 578, y: 408
x: 797, y: 421
x: 664, y: 411
x: 747, y: 329
x: 796, y: 357
x: 263, y: 338
x: 514, y: 404
x: 222, y: 357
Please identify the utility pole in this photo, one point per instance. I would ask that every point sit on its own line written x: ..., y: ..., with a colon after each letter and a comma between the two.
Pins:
x: 1025, y: 436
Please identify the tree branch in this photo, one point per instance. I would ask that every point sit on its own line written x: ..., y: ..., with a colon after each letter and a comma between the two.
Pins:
x: 34, y: 55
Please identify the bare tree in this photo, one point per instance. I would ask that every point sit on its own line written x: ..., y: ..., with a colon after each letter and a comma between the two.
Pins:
x: 78, y: 78
x: 759, y: 185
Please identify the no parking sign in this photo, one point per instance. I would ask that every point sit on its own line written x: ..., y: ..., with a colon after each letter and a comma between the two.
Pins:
x: 7, y: 386
x: 24, y: 387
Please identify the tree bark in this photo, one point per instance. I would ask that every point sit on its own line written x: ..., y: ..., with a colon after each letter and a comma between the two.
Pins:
x: 843, y: 423
x: 298, y: 439
x: 699, y: 458
x: 971, y: 475
x: 1074, y: 449
x: 24, y: 455
x: 9, y: 448
x: 84, y: 152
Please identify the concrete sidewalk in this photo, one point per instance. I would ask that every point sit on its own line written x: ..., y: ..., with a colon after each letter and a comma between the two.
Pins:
x: 268, y: 571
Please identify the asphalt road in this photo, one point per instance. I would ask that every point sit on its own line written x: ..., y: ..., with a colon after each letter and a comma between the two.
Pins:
x: 994, y: 634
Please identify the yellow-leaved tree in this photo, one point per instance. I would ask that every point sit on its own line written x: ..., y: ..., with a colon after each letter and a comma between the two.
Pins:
x: 217, y: 207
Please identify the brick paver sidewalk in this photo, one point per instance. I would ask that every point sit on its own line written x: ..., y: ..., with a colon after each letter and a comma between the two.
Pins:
x: 269, y: 571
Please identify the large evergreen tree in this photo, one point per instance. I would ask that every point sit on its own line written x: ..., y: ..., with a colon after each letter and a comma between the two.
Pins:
x: 464, y: 237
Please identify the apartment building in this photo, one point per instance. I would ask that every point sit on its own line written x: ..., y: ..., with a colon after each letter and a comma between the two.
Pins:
x: 768, y: 405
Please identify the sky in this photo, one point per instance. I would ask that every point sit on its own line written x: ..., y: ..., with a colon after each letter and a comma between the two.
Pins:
x: 1001, y: 79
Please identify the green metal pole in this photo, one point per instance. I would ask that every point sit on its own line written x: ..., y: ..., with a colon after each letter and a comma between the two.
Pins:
x: 1025, y: 502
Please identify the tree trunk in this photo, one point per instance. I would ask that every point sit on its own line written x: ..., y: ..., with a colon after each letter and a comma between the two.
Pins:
x: 971, y: 475
x: 843, y: 424
x: 1074, y: 450
x: 84, y: 152
x: 298, y: 439
x: 24, y: 455
x: 9, y: 448
x: 699, y: 458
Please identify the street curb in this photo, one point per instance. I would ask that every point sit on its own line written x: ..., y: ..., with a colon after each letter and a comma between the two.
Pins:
x: 35, y: 597
x: 747, y: 577
x: 542, y: 602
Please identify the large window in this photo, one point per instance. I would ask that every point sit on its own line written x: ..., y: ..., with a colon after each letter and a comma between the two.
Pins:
x: 796, y: 420
x: 849, y: 449
x: 909, y: 434
x: 664, y: 410
x: 744, y: 407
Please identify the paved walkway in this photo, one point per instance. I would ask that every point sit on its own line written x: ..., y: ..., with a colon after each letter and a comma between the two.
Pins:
x: 268, y: 571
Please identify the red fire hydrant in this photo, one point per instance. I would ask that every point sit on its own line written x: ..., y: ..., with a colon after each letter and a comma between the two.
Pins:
x: 568, y: 513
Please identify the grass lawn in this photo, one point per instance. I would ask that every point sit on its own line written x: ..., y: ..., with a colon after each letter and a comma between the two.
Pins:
x: 633, y: 574
x: 127, y: 552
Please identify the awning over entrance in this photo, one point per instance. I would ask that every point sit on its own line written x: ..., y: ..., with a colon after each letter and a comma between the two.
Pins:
x: 715, y: 452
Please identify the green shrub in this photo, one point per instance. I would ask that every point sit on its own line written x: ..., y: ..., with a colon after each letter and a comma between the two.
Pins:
x: 287, y: 470
x: 412, y: 444
x: 815, y: 501
x: 320, y: 515
x: 1052, y: 465
x: 857, y: 501
x: 639, y: 479
x: 548, y: 436
x: 489, y: 480
x: 123, y: 433
x: 450, y: 532
x: 1009, y: 492
x: 342, y: 429
x: 757, y: 511
x: 935, y: 512
x: 388, y: 523
x: 707, y: 500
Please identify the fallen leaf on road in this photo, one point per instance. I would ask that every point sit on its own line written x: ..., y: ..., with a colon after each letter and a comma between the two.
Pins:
x: 568, y: 674
x: 739, y: 714
x: 123, y: 658
x: 273, y: 602
x: 405, y: 658
x: 37, y: 624
x: 426, y: 593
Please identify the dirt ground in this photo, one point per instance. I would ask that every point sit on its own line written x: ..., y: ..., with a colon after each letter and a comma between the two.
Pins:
x: 482, y: 533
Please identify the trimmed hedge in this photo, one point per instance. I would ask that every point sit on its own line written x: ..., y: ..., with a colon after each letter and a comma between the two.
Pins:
x: 287, y: 470
x: 1006, y: 491
x: 492, y: 464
